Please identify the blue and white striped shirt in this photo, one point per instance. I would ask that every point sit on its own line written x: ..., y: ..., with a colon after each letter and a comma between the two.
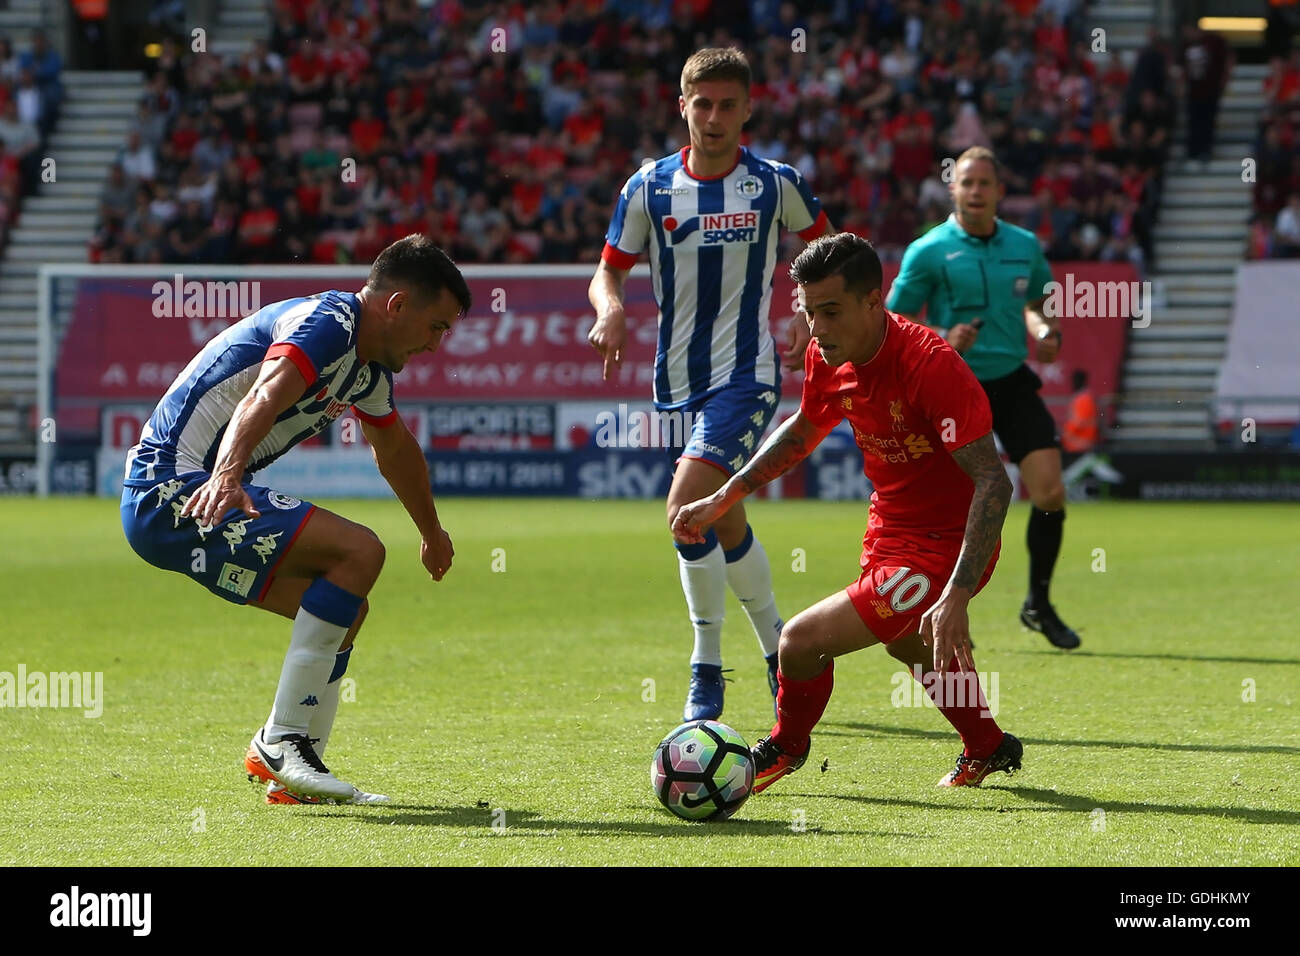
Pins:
x: 317, y: 333
x: 712, y: 250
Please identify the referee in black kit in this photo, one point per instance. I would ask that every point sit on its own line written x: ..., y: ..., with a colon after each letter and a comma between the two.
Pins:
x: 982, y: 283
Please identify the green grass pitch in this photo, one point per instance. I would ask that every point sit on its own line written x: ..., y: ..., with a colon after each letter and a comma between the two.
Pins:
x: 532, y: 698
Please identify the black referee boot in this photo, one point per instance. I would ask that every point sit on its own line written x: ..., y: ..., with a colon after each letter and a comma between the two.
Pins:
x: 1047, y: 623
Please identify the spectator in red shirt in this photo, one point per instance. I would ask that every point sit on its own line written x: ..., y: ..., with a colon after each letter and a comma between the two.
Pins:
x: 308, y: 73
x: 406, y: 105
x: 366, y: 131
x: 1283, y: 81
x: 371, y: 240
x: 912, y: 134
x: 1054, y: 181
x: 583, y: 127
x: 545, y: 155
x: 256, y: 231
x: 184, y: 136
x: 526, y: 199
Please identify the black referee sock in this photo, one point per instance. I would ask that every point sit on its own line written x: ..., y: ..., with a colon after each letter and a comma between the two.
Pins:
x: 1046, y: 528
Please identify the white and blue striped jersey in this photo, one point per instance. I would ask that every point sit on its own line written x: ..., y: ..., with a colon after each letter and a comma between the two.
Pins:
x: 317, y: 333
x: 712, y: 252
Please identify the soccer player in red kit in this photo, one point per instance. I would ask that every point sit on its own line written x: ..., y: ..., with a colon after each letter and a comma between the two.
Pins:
x: 926, y: 433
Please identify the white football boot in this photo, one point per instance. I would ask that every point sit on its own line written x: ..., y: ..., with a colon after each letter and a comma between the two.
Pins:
x: 275, y: 793
x: 293, y: 763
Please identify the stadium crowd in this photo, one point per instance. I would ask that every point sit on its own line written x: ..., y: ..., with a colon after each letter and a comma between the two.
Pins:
x: 1275, y: 228
x: 31, y: 92
x: 506, y: 133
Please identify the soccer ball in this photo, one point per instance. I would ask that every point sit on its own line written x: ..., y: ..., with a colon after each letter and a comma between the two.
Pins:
x: 702, y: 771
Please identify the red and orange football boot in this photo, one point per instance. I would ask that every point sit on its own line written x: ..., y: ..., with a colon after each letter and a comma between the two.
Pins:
x: 970, y: 771
x: 771, y: 763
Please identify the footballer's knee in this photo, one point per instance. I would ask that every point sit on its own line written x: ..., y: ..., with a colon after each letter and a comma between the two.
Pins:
x: 801, y: 655
x: 1050, y: 498
x: 357, y: 562
x: 368, y: 551
x: 731, y: 527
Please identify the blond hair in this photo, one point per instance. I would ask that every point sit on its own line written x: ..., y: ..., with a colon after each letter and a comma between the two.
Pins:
x: 977, y: 153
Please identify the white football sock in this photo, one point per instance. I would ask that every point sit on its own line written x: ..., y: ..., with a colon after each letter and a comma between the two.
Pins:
x: 704, y: 582
x: 307, y: 668
x: 322, y: 717
x: 750, y: 578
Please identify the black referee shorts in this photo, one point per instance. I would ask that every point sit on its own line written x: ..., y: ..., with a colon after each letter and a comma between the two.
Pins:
x: 1020, y: 419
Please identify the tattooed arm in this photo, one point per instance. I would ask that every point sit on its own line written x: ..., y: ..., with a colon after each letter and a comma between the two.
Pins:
x: 789, y: 445
x: 946, y: 624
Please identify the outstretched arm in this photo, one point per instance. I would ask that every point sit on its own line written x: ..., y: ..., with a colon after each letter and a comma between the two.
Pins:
x: 946, y: 623
x: 401, y: 462
x: 789, y: 445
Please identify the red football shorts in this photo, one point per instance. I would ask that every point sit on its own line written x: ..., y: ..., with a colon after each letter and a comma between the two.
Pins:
x: 901, y: 579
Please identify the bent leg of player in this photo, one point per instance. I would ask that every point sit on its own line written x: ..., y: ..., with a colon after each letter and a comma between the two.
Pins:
x: 342, y: 561
x: 238, y: 559
x: 960, y: 698
x: 284, y: 598
x: 810, y: 642
x: 900, y: 582
x: 1041, y: 471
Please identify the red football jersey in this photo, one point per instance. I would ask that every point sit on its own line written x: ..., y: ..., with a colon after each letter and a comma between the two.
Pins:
x: 910, y: 406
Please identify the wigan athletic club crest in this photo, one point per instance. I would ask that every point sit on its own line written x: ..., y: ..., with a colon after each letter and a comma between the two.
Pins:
x: 749, y: 187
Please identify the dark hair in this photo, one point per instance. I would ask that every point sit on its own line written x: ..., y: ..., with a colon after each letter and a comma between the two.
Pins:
x: 716, y: 63
x: 842, y: 254
x: 1079, y: 380
x: 416, y: 263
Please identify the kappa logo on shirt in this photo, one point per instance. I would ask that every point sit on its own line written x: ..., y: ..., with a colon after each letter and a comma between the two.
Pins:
x: 342, y: 315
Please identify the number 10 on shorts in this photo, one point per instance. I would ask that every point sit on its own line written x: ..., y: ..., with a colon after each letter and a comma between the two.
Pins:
x: 908, y: 589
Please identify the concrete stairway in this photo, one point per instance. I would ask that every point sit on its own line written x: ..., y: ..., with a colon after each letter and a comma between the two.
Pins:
x: 54, y: 226
x: 18, y: 19
x: 239, y: 23
x: 1126, y: 23
x: 1171, y: 366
